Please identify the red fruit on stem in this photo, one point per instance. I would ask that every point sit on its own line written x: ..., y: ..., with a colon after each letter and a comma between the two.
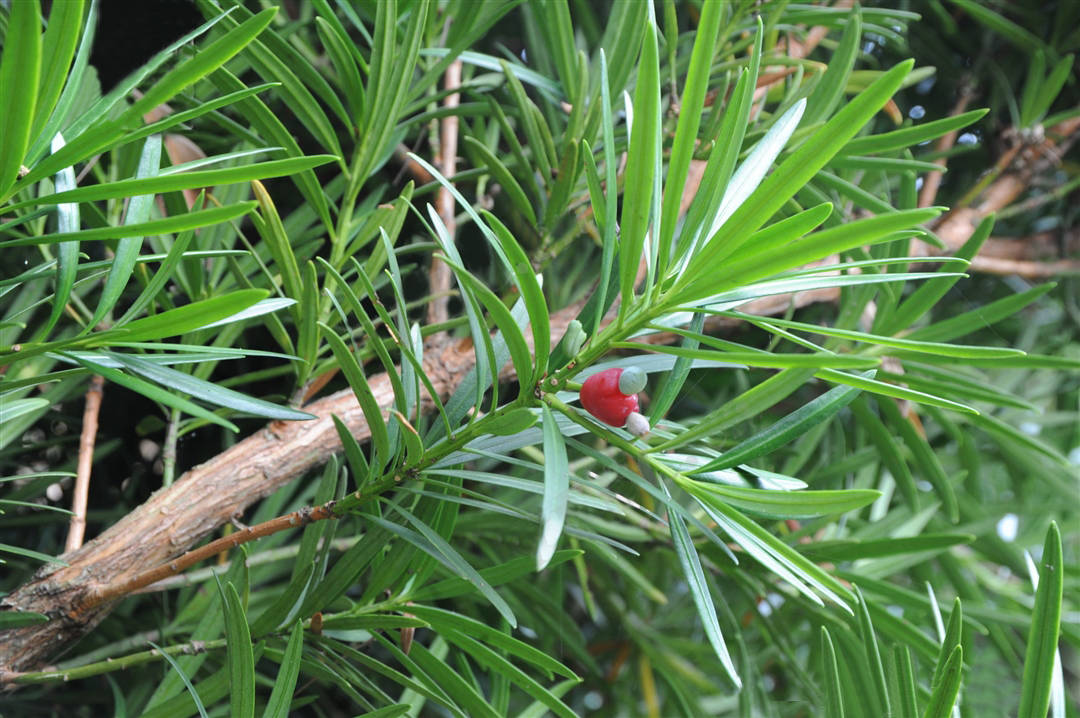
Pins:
x: 601, y: 397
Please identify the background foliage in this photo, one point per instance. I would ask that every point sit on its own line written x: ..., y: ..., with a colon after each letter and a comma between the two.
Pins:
x: 841, y: 510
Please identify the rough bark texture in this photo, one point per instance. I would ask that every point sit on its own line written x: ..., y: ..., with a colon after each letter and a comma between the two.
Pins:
x: 176, y: 518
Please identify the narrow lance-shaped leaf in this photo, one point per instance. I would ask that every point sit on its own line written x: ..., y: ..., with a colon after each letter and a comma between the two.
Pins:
x: 380, y: 438
x: 830, y: 90
x: 640, y: 167
x: 792, y: 504
x: 907, y: 705
x: 686, y: 131
x: 207, y: 391
x: 944, y: 696
x: 909, y: 136
x: 699, y: 589
x: 20, y: 71
x: 148, y: 180
x: 1042, y: 640
x: 166, y: 225
x: 127, y: 249
x: 428, y: 540
x: 67, y: 264
x: 186, y: 318
x: 930, y: 292
x: 556, y: 488
x: 240, y: 658
x: 285, y: 683
x: 833, y: 696
x: 803, y: 164
x: 151, y: 391
x: 531, y: 293
x: 715, y: 183
x: 610, y: 246
x: 873, y: 654
x: 791, y: 426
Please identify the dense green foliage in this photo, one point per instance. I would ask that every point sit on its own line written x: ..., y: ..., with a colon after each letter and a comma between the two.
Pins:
x: 818, y: 522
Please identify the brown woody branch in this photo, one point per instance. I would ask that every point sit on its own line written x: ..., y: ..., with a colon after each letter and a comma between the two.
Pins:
x: 1000, y: 256
x: 439, y: 273
x: 78, y: 596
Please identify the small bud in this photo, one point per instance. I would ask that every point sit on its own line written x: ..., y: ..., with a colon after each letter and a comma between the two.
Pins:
x: 575, y: 337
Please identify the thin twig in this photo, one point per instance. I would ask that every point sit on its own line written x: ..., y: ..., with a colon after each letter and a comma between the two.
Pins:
x: 439, y: 274
x: 932, y: 181
x: 77, y: 529
x: 296, y: 519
